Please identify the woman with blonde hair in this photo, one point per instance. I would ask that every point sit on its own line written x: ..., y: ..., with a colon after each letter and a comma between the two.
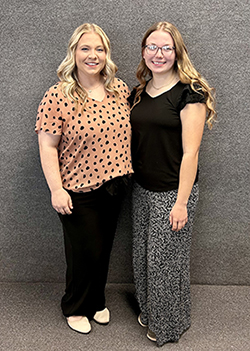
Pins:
x: 84, y: 139
x: 168, y: 115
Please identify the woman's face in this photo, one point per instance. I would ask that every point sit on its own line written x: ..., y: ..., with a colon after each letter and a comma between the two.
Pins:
x: 161, y: 61
x: 90, y: 55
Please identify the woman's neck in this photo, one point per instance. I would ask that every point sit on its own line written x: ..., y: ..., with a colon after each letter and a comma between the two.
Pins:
x: 163, y: 80
x: 94, y: 86
x: 161, y: 83
x: 90, y: 82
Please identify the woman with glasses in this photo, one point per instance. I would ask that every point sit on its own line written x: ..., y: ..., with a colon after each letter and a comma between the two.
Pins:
x: 168, y: 114
x: 84, y: 138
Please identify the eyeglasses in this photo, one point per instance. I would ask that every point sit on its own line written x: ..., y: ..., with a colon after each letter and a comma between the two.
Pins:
x: 153, y: 49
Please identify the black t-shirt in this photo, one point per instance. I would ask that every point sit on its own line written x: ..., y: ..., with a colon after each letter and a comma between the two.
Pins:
x: 157, y: 136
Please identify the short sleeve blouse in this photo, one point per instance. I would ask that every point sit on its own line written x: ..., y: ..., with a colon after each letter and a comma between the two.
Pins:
x: 157, y: 136
x: 95, y: 141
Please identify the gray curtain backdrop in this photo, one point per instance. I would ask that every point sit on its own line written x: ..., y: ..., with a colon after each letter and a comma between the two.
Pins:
x: 34, y: 37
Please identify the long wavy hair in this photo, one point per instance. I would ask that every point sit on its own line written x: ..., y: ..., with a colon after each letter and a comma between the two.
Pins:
x: 183, y: 66
x: 67, y: 71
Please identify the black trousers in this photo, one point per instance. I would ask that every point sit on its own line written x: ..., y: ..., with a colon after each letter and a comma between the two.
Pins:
x: 88, y: 237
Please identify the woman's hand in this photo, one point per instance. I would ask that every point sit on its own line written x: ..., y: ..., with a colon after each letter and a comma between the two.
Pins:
x: 178, y: 216
x: 61, y: 201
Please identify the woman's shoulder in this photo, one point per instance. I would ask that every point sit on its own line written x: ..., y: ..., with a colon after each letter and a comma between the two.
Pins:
x: 54, y: 90
x: 54, y: 94
x: 183, y: 93
x: 134, y: 91
x: 179, y: 87
x: 192, y: 95
x: 131, y: 96
x: 119, y: 83
x: 121, y: 86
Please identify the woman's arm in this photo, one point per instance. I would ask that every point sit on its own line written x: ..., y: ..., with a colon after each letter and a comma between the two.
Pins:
x: 60, y: 199
x: 193, y: 120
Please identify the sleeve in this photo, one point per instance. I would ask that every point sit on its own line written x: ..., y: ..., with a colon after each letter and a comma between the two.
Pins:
x: 189, y: 96
x: 122, y: 87
x: 49, y: 114
x: 131, y: 97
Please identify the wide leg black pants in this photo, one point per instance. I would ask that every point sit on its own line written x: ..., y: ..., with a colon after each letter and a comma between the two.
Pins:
x: 88, y: 236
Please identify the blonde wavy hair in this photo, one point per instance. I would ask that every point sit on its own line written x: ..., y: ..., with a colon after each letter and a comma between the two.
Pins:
x: 67, y: 71
x: 184, y: 68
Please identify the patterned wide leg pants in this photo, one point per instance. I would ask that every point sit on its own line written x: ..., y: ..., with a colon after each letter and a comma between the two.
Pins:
x: 161, y: 262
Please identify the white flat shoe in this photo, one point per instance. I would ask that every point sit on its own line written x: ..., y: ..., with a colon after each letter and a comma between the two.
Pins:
x: 140, y: 322
x: 81, y: 326
x: 102, y: 317
x: 151, y: 336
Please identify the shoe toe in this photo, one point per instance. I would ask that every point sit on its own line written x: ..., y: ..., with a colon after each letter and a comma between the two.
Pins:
x: 140, y: 321
x: 151, y: 335
x: 81, y: 326
x: 102, y: 317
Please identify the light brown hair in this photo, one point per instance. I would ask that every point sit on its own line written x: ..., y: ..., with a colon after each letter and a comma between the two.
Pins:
x: 183, y: 66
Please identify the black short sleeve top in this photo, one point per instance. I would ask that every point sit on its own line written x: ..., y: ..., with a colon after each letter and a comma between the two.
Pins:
x: 157, y: 136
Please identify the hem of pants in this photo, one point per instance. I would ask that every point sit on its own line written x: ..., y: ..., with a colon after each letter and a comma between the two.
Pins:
x: 173, y: 337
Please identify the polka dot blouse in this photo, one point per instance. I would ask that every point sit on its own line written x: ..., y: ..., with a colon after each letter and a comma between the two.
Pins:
x: 95, y: 142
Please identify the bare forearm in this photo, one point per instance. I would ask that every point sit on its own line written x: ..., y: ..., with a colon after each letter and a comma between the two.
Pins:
x: 60, y: 198
x: 50, y: 166
x: 188, y: 172
x: 178, y: 216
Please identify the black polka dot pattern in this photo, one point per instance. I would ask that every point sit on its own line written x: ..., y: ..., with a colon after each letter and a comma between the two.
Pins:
x: 95, y: 143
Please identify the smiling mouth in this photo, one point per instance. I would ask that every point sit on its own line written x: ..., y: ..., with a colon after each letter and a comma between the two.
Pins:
x: 158, y: 63
x: 92, y: 63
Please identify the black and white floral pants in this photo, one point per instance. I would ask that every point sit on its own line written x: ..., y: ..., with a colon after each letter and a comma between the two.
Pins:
x: 161, y: 262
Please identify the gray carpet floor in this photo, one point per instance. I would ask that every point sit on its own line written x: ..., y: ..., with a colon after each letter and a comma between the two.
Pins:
x: 31, y: 320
